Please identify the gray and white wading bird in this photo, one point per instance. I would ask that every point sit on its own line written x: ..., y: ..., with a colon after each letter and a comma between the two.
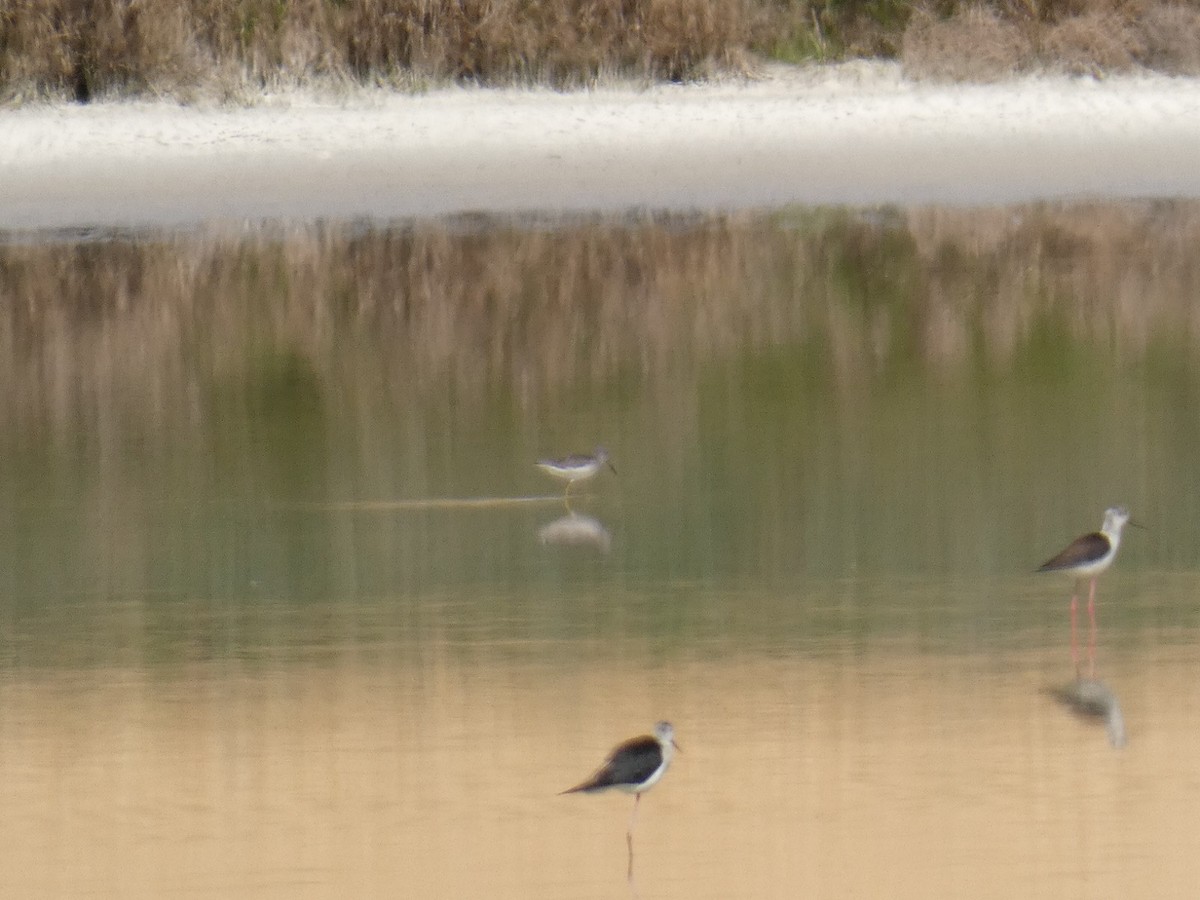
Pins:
x: 577, y: 467
x: 633, y: 767
x: 1087, y: 557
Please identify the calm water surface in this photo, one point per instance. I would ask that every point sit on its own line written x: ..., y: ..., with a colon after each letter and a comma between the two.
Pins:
x: 287, y: 611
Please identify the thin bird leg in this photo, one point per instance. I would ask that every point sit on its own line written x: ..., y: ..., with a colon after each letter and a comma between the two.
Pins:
x: 637, y: 798
x: 1074, y: 638
x: 567, y: 496
x: 1092, y: 630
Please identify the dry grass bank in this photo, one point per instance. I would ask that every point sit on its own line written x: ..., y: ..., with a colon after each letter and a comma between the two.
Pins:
x: 232, y: 49
x: 94, y: 48
x: 981, y: 42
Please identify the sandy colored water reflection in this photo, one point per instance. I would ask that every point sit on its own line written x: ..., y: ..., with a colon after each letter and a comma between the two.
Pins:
x: 884, y: 774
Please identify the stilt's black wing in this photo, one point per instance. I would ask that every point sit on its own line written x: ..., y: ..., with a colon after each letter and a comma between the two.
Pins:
x: 630, y: 763
x: 1081, y: 551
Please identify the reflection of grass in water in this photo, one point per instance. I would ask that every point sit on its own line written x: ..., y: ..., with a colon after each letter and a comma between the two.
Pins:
x: 297, y: 321
x: 278, y: 402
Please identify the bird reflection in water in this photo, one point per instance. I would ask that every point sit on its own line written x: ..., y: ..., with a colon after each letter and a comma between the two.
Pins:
x: 1092, y: 699
x: 575, y: 529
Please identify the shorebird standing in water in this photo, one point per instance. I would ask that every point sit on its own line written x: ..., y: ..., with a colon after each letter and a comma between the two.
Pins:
x: 1087, y: 557
x: 577, y: 467
x: 634, y: 767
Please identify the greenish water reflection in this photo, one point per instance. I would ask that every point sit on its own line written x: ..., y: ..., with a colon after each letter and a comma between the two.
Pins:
x: 869, y: 424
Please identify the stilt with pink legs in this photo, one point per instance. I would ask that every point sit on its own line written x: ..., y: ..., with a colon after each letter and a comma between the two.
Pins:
x: 1087, y: 557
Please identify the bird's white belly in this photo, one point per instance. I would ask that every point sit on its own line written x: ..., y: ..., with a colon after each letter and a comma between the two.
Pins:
x: 645, y: 785
x: 1087, y: 570
x: 578, y: 474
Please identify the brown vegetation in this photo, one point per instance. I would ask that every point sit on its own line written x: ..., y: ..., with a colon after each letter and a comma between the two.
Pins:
x: 93, y: 48
x: 187, y: 49
x: 974, y: 44
x: 987, y: 41
x: 1171, y: 38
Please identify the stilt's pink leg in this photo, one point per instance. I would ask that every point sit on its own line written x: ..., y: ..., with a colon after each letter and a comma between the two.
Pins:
x: 1074, y: 638
x: 637, y: 798
x: 1092, y: 630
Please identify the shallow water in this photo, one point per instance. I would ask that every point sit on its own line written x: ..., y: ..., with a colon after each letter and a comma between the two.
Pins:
x: 286, y: 609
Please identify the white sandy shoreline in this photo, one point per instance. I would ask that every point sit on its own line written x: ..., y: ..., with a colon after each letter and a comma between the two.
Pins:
x: 856, y: 134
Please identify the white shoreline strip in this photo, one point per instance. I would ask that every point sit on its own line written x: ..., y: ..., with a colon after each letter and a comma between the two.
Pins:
x: 425, y: 503
x: 856, y: 134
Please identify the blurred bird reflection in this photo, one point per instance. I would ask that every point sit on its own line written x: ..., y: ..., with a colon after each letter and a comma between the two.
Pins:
x: 1092, y: 699
x: 575, y: 529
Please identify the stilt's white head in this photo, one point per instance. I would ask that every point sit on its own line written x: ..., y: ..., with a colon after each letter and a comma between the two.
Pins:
x: 665, y: 732
x: 602, y: 459
x: 1115, y: 518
